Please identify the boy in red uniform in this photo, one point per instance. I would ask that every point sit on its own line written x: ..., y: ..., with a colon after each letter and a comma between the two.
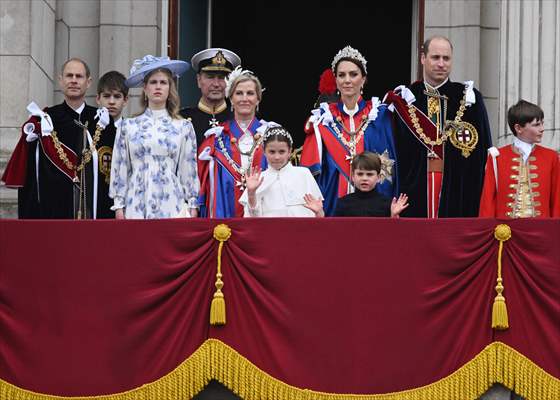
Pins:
x: 522, y: 180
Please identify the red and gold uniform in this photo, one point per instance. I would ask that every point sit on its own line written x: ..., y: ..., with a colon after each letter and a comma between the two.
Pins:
x: 521, y: 189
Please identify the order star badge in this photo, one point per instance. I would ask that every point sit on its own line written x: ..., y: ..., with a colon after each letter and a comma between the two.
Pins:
x: 386, y: 167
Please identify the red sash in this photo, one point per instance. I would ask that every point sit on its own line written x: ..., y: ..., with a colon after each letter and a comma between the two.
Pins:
x: 16, y: 170
x: 430, y: 129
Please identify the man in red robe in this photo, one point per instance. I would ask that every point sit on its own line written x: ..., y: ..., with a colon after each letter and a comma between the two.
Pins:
x: 522, y: 179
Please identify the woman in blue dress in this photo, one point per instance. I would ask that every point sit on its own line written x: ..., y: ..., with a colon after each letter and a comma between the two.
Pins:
x: 153, y: 171
x: 337, y: 132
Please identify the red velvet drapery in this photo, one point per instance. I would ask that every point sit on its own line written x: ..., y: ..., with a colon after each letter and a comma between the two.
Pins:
x: 333, y: 305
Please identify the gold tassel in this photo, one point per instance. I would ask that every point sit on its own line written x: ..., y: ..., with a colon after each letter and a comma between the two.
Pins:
x: 502, y: 233
x: 222, y: 233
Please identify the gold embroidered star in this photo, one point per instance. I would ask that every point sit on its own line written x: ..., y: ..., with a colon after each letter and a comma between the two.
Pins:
x: 386, y: 167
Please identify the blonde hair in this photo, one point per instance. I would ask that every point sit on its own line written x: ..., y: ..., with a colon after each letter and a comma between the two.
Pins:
x: 244, y: 78
x: 172, y: 104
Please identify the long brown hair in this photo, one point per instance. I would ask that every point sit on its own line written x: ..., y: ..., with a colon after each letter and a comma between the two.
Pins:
x: 173, y: 103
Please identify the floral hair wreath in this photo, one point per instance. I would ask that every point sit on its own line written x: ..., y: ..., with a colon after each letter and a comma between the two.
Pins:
x: 277, y: 130
x: 232, y: 77
x: 349, y: 52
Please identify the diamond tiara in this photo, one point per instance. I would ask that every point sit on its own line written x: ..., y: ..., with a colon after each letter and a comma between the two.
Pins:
x: 349, y: 52
x: 275, y: 131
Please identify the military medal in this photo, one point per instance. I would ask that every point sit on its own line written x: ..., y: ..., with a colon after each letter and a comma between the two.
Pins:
x: 213, y: 122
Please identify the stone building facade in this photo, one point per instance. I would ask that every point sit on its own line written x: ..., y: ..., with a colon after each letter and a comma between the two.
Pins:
x: 510, y: 48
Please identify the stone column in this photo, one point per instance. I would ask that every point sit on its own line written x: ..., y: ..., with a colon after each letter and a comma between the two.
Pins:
x: 530, y: 63
x: 27, y: 43
x: 77, y: 35
x: 128, y: 30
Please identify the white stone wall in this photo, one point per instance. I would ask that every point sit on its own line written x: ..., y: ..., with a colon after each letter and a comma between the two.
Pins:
x: 107, y: 35
x: 38, y: 36
x: 474, y: 29
x: 530, y: 63
x: 511, y: 49
x: 27, y: 30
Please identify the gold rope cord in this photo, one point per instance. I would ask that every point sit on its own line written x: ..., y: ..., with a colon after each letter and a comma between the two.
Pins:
x: 222, y: 233
x: 497, y: 363
x: 500, y: 321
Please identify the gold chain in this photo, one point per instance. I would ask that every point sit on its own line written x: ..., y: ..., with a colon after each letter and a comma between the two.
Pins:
x: 86, y: 153
x: 60, y: 151
x: 355, y: 139
x: 446, y: 132
x: 247, y: 132
x: 231, y: 162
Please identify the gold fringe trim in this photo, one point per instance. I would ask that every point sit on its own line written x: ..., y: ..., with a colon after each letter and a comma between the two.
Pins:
x: 497, y: 363
x: 500, y: 321
x: 222, y: 233
x: 183, y: 383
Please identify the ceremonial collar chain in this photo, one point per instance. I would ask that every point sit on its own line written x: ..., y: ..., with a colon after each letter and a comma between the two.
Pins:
x: 246, y: 132
x: 86, y: 154
x: 446, y: 132
x: 355, y: 137
x: 251, y: 154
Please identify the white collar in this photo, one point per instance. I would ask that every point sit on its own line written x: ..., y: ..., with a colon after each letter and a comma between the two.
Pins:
x: 350, y: 112
x: 118, y: 121
x: 428, y: 86
x: 157, y: 113
x: 286, y: 168
x: 524, y: 147
x: 80, y: 109
x: 273, y: 176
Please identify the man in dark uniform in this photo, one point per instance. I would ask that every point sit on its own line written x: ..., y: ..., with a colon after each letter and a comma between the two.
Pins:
x: 442, y: 136
x: 55, y: 165
x: 212, y: 66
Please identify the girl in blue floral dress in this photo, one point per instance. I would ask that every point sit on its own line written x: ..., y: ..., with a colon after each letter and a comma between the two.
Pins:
x: 153, y: 171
